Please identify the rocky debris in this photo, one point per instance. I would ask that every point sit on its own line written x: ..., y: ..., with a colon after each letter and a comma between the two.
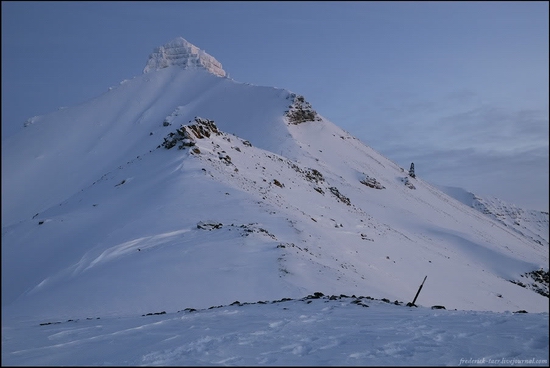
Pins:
x: 356, y: 300
x: 253, y: 228
x: 245, y: 229
x: 537, y: 280
x: 224, y: 157
x: 314, y: 175
x: 203, y: 128
x: 209, y: 225
x: 372, y: 183
x: 154, y: 314
x: 301, y: 111
x: 187, y: 135
x: 365, y: 237
x: 310, y: 174
x: 339, y: 195
x: 407, y: 182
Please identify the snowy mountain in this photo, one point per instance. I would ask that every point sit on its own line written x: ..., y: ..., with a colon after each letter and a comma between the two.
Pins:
x: 184, y: 188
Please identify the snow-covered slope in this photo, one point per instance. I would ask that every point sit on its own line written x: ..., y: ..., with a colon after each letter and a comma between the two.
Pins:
x: 530, y: 223
x: 179, y: 187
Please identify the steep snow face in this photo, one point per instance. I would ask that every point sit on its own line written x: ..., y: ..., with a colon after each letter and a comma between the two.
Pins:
x: 79, y: 144
x: 180, y: 52
x: 530, y: 223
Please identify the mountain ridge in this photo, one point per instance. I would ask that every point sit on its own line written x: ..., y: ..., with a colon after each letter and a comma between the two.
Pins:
x: 527, y: 222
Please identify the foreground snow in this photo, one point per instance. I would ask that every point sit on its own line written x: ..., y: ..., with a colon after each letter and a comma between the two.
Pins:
x: 309, y: 331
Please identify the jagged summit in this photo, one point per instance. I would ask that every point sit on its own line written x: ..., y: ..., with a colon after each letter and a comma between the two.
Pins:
x: 182, y: 53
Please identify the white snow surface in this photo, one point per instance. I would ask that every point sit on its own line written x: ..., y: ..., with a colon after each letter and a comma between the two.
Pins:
x: 302, y: 332
x: 183, y: 54
x: 99, y: 220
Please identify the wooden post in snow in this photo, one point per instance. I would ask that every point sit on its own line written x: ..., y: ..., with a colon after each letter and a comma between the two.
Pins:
x: 418, y: 292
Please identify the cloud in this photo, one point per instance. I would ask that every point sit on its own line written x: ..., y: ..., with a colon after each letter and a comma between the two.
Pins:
x: 516, y: 177
x: 458, y: 141
x: 492, y: 129
x: 461, y: 96
x: 458, y: 120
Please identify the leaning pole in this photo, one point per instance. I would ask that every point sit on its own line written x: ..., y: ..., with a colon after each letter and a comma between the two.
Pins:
x: 418, y: 292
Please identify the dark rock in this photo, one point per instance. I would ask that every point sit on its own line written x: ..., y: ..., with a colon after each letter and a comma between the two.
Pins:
x: 372, y: 183
x: 301, y: 111
x: 209, y: 225
x: 340, y: 196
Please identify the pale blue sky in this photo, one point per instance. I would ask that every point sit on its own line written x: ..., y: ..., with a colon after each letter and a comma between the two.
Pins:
x: 458, y: 88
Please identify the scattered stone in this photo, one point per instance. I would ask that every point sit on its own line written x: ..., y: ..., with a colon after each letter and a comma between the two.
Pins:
x: 372, y: 183
x: 209, y: 225
x: 407, y: 183
x: 49, y: 323
x: 540, y: 284
x: 340, y: 196
x: 153, y: 314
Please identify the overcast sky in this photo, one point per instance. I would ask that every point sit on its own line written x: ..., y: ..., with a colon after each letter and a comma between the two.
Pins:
x: 458, y: 88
